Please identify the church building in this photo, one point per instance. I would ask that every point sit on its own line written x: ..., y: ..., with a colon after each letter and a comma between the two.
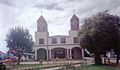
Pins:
x: 58, y: 46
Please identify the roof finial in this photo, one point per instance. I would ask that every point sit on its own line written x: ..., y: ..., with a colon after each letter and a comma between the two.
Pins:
x: 73, y: 11
x: 41, y: 13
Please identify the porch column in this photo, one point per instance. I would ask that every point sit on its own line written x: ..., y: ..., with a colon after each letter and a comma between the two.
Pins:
x: 35, y: 54
x: 70, y: 54
x: 50, y: 54
x: 82, y: 53
x: 47, y: 54
x: 67, y: 53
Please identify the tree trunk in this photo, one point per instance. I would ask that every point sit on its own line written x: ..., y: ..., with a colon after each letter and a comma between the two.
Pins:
x: 19, y: 57
x: 117, y: 58
x: 98, y: 59
x: 18, y: 60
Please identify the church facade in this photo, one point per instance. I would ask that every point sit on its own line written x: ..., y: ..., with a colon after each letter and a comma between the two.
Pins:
x: 58, y: 46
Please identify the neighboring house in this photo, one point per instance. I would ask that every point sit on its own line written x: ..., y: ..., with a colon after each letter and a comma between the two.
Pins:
x: 27, y: 56
x: 87, y: 53
x: 110, y: 54
x: 58, y: 46
x: 2, y: 55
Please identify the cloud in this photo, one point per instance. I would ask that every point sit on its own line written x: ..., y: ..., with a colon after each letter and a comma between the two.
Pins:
x: 74, y: 0
x: 6, y: 2
x: 39, y: 6
x: 52, y: 6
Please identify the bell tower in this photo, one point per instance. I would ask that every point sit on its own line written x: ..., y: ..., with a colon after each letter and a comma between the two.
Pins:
x: 74, y: 25
x: 41, y: 35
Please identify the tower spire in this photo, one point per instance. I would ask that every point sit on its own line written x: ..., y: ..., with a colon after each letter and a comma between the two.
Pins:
x: 74, y: 21
x: 41, y: 24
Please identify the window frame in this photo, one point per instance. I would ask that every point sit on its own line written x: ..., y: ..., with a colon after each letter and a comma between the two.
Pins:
x: 75, y: 39
x: 41, y: 41
x: 54, y: 40
x: 63, y: 39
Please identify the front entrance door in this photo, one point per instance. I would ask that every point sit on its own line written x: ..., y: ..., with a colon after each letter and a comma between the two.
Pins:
x: 59, y: 53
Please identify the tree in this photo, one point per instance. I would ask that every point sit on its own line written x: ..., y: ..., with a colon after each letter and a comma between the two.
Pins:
x: 100, y: 33
x: 2, y: 66
x: 19, y: 41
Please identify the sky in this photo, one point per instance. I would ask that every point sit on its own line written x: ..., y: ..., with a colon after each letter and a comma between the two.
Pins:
x: 56, y: 12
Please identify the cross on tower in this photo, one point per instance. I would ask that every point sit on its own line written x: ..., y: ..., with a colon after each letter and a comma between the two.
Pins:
x: 74, y: 11
x: 41, y: 13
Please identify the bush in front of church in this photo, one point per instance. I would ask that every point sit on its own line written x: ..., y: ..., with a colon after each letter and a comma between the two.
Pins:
x: 2, y: 66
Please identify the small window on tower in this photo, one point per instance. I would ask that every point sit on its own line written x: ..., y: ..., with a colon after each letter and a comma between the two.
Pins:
x: 63, y: 40
x: 54, y: 41
x: 75, y: 39
x: 41, y: 41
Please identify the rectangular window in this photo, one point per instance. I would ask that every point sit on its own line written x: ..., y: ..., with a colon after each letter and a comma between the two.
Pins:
x: 75, y: 39
x: 41, y: 41
x: 63, y: 40
x: 54, y: 41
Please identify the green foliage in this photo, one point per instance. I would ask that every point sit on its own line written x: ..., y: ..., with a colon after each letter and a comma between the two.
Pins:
x: 98, y: 67
x: 19, y: 41
x: 100, y: 33
x: 2, y: 66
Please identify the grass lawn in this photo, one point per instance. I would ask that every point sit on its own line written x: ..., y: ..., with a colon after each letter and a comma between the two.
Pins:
x: 98, y: 67
x: 88, y: 67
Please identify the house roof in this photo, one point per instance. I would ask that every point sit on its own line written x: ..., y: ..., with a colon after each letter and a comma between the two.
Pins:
x: 2, y: 52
